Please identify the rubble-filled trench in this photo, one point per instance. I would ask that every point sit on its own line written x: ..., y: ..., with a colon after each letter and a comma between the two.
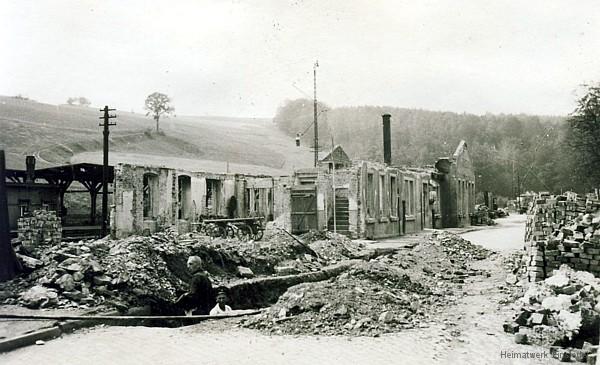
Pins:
x: 321, y: 283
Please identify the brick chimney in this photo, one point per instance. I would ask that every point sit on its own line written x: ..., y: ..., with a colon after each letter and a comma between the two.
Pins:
x: 387, y: 140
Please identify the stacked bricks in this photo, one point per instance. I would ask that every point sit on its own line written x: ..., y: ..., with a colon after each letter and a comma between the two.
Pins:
x: 562, y: 230
x: 43, y: 227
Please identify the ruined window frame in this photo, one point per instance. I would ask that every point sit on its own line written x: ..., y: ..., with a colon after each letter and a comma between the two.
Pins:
x: 150, y: 195
x: 393, y: 196
x: 215, y: 196
x: 409, y: 195
x: 183, y: 210
x: 370, y: 194
x: 380, y: 196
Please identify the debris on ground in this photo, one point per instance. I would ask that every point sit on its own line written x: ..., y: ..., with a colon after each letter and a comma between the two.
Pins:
x: 335, y: 247
x: 561, y: 311
x: 370, y: 299
x: 389, y: 293
x: 124, y: 272
x: 460, y: 248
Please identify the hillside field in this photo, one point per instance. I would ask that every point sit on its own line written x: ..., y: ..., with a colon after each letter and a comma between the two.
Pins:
x: 60, y: 134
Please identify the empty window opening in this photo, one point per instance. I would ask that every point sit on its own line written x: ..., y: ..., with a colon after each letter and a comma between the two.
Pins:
x: 409, y: 196
x: 184, y: 197
x: 381, y: 195
x: 213, y: 196
x: 370, y: 195
x: 392, y: 196
x: 150, y: 195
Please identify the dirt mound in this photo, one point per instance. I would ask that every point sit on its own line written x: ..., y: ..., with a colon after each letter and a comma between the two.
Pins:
x: 370, y: 299
x: 386, y: 294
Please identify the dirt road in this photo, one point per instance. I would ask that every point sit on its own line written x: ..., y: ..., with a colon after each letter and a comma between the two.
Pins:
x: 506, y: 236
x: 469, y: 332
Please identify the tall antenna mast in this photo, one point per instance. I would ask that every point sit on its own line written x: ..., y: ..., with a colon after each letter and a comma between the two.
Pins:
x: 315, y: 113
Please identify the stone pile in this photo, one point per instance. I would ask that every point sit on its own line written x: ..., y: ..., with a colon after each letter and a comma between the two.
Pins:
x: 562, y: 311
x: 562, y: 230
x: 92, y: 273
x: 138, y: 268
x: 459, y: 248
x: 43, y: 227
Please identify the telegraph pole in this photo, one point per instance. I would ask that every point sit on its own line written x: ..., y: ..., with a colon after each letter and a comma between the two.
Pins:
x: 315, y: 113
x: 106, y: 123
x: 333, y: 184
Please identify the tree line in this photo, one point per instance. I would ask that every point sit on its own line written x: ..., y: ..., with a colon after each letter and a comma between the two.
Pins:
x: 510, y: 152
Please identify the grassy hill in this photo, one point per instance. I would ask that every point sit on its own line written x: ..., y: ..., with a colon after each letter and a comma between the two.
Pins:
x: 59, y: 134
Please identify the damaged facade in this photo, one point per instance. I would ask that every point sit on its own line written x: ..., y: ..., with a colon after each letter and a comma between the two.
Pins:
x: 377, y: 200
x: 371, y: 200
x: 149, y: 199
x: 360, y: 199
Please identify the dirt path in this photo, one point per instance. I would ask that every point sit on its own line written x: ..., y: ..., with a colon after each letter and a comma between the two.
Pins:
x: 469, y: 332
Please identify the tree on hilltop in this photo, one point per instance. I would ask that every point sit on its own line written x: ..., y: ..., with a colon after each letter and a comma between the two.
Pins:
x: 158, y: 104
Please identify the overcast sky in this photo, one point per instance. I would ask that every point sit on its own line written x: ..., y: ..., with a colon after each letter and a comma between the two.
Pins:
x: 244, y: 58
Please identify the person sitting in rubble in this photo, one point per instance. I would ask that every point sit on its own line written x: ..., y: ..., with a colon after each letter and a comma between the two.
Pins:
x: 221, y: 307
x: 199, y: 298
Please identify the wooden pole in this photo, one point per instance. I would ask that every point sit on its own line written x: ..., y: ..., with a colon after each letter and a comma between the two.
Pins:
x: 9, y: 265
x: 106, y: 123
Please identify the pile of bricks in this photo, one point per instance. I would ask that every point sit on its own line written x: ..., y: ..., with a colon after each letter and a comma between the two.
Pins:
x: 562, y: 230
x: 43, y: 227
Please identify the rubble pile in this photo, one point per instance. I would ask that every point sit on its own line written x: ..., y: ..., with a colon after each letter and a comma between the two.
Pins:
x: 370, y: 299
x: 131, y: 270
x: 335, y: 247
x: 562, y: 230
x: 560, y: 311
x: 459, y: 248
x: 91, y: 273
x: 386, y: 294
x: 43, y: 227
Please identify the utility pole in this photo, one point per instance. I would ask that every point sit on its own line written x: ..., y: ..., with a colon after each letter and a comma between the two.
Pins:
x: 315, y: 113
x: 106, y: 123
x: 333, y: 184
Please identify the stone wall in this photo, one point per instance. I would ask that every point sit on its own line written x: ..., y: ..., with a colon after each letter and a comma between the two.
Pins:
x: 562, y: 230
x: 41, y: 228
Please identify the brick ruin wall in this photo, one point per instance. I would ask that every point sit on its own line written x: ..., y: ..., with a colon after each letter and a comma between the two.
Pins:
x: 560, y: 230
x: 43, y: 227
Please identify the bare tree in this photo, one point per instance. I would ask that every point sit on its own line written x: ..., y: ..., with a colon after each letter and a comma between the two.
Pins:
x: 158, y: 104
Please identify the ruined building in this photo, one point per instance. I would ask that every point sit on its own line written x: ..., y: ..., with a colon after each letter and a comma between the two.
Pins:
x: 361, y: 199
x: 149, y: 199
